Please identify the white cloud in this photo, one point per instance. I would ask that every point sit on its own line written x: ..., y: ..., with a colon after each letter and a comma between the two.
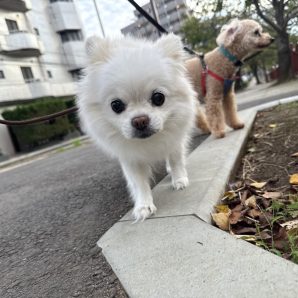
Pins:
x: 114, y: 15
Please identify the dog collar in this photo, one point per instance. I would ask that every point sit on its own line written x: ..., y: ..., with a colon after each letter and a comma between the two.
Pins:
x: 230, y: 56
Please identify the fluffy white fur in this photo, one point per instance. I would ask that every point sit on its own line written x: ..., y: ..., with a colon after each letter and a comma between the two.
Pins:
x: 131, y: 70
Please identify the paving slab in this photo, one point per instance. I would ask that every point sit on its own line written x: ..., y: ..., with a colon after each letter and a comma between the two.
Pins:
x: 185, y: 257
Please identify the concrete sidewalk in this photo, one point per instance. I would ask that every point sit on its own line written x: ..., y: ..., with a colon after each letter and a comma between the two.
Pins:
x: 26, y: 157
x: 178, y: 253
x: 263, y: 93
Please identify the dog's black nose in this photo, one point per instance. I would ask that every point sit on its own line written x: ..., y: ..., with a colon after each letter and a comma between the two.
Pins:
x: 140, y: 122
x: 272, y: 39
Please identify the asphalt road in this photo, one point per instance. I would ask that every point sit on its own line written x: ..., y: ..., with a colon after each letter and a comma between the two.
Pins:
x: 52, y: 212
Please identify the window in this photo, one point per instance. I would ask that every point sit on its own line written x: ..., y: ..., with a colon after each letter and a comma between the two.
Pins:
x: 2, y: 76
x: 27, y: 74
x: 36, y: 31
x: 49, y: 74
x: 76, y: 74
x: 70, y: 35
x: 12, y: 26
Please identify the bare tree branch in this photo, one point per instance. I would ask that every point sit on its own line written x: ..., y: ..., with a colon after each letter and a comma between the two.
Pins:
x: 293, y: 14
x: 265, y: 18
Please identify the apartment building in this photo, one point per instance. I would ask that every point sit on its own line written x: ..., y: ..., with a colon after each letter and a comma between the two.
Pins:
x: 41, y: 52
x: 170, y: 14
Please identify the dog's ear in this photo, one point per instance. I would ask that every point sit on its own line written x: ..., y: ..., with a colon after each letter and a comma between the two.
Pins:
x: 228, y: 33
x: 171, y: 46
x: 98, y: 48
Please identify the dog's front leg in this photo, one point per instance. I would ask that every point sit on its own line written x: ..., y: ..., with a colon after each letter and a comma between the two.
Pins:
x: 137, y: 176
x: 215, y: 115
x: 177, y: 168
x: 230, y: 110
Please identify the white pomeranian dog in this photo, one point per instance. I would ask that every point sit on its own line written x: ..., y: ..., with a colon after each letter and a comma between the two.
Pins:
x: 137, y: 103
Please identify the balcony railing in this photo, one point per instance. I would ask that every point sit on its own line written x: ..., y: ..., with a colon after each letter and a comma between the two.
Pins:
x: 15, y: 5
x: 65, y: 16
x: 21, y: 44
x: 75, y: 54
x: 35, y: 89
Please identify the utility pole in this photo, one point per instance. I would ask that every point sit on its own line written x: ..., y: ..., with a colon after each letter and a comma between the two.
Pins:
x: 98, y: 16
x: 155, y: 14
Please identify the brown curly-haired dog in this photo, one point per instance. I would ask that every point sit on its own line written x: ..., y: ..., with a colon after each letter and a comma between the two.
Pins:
x: 236, y: 41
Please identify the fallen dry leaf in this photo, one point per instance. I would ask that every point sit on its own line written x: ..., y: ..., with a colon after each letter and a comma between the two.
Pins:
x: 222, y: 208
x: 265, y: 219
x: 295, y: 154
x: 258, y: 184
x: 281, y: 239
x: 265, y: 235
x: 251, y: 150
x: 235, y: 217
x: 221, y: 220
x: 272, y: 195
x: 244, y: 230
x: 229, y: 195
x: 294, y: 179
x: 273, y: 125
x: 249, y: 238
x: 265, y: 202
x: 238, y: 207
x: 289, y: 225
x: 251, y: 202
x: 254, y: 213
x: 243, y: 196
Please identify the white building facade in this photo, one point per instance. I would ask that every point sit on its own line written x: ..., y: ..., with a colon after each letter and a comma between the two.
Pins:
x: 41, y: 53
x: 170, y: 14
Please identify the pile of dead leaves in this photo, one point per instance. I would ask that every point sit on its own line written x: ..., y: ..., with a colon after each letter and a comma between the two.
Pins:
x: 252, y: 211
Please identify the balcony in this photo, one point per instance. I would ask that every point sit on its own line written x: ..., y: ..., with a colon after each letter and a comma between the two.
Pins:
x: 15, y: 5
x: 34, y: 89
x: 65, y: 16
x: 75, y: 54
x: 21, y: 44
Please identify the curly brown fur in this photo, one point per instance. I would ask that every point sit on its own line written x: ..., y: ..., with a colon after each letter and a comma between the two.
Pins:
x: 242, y: 39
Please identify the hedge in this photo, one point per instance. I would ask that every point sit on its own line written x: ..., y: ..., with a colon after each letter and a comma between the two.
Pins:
x: 28, y: 137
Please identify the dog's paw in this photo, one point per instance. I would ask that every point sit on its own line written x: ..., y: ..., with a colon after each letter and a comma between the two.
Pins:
x: 140, y: 213
x: 238, y: 125
x: 219, y: 134
x: 180, y: 183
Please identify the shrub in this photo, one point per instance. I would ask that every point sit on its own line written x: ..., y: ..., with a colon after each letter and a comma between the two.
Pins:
x: 29, y: 136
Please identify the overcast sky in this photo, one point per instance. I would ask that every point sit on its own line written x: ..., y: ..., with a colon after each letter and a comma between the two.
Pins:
x: 115, y: 14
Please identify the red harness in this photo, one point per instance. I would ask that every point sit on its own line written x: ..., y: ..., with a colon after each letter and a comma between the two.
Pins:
x: 206, y: 72
x: 227, y: 83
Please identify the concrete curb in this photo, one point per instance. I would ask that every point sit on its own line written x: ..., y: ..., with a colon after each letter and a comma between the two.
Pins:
x: 30, y: 156
x: 178, y: 254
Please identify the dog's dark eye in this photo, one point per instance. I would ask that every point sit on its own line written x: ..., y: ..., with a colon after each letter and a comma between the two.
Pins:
x: 257, y: 33
x: 157, y: 99
x: 118, y: 106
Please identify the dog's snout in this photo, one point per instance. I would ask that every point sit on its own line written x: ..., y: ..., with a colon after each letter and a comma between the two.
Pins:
x: 140, y: 122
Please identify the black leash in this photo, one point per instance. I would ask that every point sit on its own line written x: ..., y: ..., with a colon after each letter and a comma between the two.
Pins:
x: 39, y: 119
x: 156, y: 24
x: 148, y: 17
